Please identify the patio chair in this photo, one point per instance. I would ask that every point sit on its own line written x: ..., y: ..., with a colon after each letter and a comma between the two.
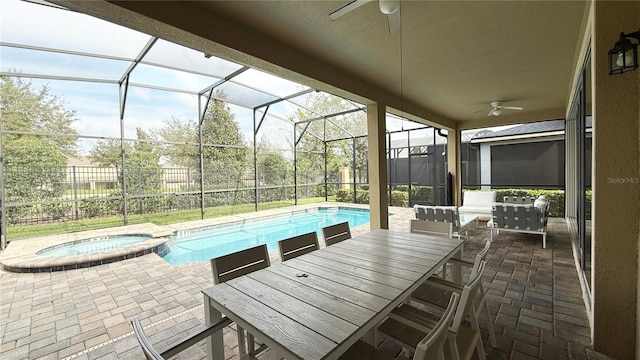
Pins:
x: 152, y: 354
x: 431, y: 346
x: 406, y: 324
x: 529, y: 219
x: 436, y: 290
x: 298, y: 245
x: 526, y: 200
x: 438, y: 220
x: 335, y: 233
x: 228, y: 267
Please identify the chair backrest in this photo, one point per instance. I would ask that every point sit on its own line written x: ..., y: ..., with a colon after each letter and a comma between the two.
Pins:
x: 431, y: 228
x: 431, y: 346
x: 298, y: 245
x: 239, y: 263
x: 336, y: 233
x: 519, y: 217
x: 465, y: 307
x: 447, y: 214
x: 149, y: 352
x: 518, y: 200
x: 480, y: 257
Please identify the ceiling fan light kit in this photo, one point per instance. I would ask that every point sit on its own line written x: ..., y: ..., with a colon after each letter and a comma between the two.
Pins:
x: 497, y: 107
x: 390, y: 8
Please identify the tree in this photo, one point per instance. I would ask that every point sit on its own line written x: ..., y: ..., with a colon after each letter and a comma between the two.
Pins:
x: 182, y: 137
x: 224, y: 147
x: 34, y: 163
x: 27, y: 110
x: 310, y: 150
x: 226, y: 156
x: 108, y: 153
x: 272, y: 165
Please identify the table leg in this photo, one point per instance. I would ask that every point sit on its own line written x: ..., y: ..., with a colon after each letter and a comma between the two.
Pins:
x: 456, y: 269
x: 215, y: 344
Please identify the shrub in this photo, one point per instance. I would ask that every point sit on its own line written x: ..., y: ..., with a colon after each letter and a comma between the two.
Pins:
x: 399, y: 198
x: 99, y: 207
x: 423, y: 194
x: 344, y: 195
x: 57, y: 211
x: 362, y: 196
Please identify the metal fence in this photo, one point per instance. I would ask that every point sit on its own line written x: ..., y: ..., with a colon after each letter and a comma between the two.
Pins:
x: 82, y: 192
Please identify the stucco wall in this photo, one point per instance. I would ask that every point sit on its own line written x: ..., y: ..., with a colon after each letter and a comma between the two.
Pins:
x: 616, y: 190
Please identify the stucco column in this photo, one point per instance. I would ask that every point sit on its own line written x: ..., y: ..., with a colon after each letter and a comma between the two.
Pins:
x: 616, y: 188
x: 453, y: 164
x: 377, y: 167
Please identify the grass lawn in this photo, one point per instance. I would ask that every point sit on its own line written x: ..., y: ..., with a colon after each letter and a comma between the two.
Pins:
x: 27, y: 231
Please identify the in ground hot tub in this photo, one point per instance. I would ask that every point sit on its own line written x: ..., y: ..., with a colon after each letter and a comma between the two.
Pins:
x: 94, y: 245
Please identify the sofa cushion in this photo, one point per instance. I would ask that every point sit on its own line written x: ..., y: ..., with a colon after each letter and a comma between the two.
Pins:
x: 479, y: 198
x: 476, y: 209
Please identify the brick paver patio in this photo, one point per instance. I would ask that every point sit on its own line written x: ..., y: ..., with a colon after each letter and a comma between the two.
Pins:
x: 534, y: 296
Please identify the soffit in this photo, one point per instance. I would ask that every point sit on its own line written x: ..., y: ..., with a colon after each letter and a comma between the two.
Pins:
x: 451, y: 58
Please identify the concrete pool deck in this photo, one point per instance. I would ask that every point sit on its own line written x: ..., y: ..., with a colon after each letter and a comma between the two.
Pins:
x: 534, y: 296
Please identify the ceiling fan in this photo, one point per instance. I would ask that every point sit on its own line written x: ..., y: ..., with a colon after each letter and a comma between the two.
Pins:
x: 497, y: 107
x: 391, y: 8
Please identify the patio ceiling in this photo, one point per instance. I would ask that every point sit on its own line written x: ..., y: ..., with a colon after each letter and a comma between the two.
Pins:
x: 448, y: 62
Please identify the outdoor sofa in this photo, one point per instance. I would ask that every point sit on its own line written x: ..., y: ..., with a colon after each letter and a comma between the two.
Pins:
x: 478, y: 203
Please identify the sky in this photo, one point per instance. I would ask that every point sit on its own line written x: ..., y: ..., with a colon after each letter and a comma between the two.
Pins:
x: 97, y: 104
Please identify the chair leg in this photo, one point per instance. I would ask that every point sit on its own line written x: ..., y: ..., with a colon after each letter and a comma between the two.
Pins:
x: 481, y: 354
x: 492, y: 334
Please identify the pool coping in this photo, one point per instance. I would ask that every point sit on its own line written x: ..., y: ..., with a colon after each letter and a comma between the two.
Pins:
x: 21, y: 255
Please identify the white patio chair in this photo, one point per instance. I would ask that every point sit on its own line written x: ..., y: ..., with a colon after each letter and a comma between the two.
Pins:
x: 228, y: 267
x: 406, y: 324
x: 298, y: 245
x: 430, y: 347
x: 335, y: 233
x: 152, y: 354
x: 435, y: 291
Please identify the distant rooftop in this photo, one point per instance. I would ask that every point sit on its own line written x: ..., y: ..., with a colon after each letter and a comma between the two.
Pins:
x: 540, y: 127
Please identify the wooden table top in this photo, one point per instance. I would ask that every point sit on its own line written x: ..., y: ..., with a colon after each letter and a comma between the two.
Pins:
x: 317, y: 305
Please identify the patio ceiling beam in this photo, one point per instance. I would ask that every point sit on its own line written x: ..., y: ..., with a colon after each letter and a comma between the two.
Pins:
x: 66, y: 52
x: 300, y: 93
x: 204, y: 108
x: 340, y: 127
x: 56, y: 77
x: 305, y: 130
x: 326, y: 116
x: 224, y: 80
x: 138, y: 58
x: 264, y: 115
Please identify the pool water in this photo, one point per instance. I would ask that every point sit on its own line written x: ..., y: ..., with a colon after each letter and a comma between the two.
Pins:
x: 93, y: 245
x: 204, y: 244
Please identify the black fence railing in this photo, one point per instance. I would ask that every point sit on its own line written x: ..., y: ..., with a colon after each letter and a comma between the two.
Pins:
x: 58, y: 194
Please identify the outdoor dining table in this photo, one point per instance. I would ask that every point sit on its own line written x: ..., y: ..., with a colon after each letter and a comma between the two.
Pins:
x: 317, y: 305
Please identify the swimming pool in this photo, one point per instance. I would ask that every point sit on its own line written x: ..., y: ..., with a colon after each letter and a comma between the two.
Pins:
x: 203, y: 244
x: 94, y: 245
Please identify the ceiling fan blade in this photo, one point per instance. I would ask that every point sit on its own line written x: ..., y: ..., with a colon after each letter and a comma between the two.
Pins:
x: 490, y: 112
x: 347, y: 9
x: 513, y: 107
x: 394, y: 22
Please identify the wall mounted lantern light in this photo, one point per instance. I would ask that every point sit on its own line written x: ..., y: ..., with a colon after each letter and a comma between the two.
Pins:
x: 624, y: 55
